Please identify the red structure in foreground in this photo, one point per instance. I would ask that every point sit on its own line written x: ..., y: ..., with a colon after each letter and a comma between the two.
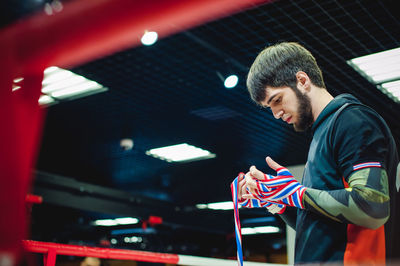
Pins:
x: 51, y: 250
x: 81, y: 32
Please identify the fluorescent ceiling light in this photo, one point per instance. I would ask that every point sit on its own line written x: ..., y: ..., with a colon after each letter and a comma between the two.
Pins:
x: 225, y: 205
x: 260, y: 230
x: 82, y: 88
x: 127, y: 220
x: 117, y: 221
x: 106, y: 222
x: 61, y: 84
x: 381, y: 69
x: 46, y: 100
x: 56, y: 76
x: 180, y: 153
x: 392, y: 89
x: 64, y: 84
x: 50, y: 70
x: 201, y: 206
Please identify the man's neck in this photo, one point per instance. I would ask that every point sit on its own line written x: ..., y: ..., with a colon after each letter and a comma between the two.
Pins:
x: 320, y: 98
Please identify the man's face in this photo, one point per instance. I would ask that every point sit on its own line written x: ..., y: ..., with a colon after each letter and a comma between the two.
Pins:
x: 291, y: 105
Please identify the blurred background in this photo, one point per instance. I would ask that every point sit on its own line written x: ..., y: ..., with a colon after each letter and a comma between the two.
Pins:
x: 98, y: 163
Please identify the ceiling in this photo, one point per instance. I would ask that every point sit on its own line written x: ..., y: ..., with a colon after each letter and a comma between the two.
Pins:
x: 172, y: 92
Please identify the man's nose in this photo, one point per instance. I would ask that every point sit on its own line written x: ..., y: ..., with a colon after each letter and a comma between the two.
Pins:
x: 277, y: 113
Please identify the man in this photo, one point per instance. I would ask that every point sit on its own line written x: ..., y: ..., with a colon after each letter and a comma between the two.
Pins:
x: 346, y: 208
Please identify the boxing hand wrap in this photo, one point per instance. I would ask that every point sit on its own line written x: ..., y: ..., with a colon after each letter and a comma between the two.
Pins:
x: 238, y: 230
x: 256, y: 203
x: 275, y: 208
x: 280, y: 189
x: 248, y: 203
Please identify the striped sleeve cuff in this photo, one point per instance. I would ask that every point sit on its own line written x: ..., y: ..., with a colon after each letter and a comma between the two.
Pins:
x: 366, y: 165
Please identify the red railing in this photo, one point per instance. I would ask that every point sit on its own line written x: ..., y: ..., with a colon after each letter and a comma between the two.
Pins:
x: 51, y: 250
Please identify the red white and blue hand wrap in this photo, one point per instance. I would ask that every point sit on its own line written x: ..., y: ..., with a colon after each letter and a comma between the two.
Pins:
x: 256, y: 203
x: 281, y: 189
x: 238, y: 231
x: 249, y: 203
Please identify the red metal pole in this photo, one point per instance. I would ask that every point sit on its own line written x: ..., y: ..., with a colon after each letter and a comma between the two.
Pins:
x: 20, y: 123
x: 49, y: 258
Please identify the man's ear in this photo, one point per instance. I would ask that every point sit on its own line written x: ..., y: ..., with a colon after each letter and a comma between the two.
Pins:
x: 303, y: 81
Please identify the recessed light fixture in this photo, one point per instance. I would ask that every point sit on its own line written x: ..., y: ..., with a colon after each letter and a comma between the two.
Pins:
x: 149, y: 38
x: 180, y: 153
x: 231, y: 81
x: 381, y: 69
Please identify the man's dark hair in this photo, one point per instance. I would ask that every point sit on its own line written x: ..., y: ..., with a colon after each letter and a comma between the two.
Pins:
x: 277, y: 65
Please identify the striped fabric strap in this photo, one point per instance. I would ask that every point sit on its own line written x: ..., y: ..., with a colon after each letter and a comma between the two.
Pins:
x: 256, y: 203
x: 281, y: 189
x: 249, y: 203
x: 366, y: 165
x: 238, y: 231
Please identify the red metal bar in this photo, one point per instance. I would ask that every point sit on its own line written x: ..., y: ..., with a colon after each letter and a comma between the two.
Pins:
x: 104, y: 253
x: 85, y: 30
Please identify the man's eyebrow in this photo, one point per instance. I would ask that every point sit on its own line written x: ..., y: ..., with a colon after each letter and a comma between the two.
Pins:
x: 271, y: 98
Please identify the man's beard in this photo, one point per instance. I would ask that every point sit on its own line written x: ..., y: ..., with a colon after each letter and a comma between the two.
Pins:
x: 305, y: 117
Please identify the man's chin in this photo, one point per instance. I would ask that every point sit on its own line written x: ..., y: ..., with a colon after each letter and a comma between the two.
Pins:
x: 300, y: 128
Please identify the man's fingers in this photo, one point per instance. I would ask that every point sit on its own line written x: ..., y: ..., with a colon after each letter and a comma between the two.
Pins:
x: 250, y: 185
x: 256, y: 173
x: 240, y: 176
x: 250, y: 182
x: 271, y: 163
x: 249, y: 196
x: 241, y: 188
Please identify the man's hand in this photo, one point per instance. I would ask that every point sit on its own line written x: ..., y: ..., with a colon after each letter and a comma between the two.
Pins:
x: 280, y: 189
x: 241, y: 186
x: 243, y: 192
x: 253, y: 175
